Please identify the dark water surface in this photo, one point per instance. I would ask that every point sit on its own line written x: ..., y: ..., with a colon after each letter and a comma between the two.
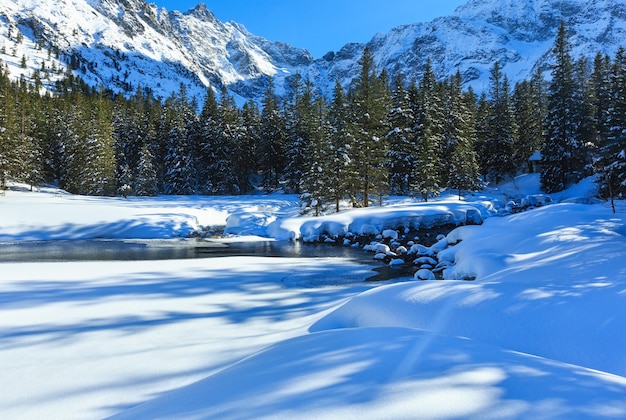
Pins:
x: 177, y: 249
x: 146, y: 250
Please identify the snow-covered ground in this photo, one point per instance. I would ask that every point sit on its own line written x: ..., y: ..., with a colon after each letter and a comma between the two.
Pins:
x: 539, y: 333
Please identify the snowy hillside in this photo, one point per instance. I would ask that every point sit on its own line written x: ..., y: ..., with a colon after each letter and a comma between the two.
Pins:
x: 122, y: 44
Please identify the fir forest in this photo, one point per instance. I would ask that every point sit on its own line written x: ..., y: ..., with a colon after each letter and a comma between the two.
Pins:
x: 382, y: 136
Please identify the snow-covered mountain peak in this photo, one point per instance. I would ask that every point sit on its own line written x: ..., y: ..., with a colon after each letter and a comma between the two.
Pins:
x: 123, y: 44
x: 201, y: 12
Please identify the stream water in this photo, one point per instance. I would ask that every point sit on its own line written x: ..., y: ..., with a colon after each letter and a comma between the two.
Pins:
x: 175, y: 249
x: 138, y: 250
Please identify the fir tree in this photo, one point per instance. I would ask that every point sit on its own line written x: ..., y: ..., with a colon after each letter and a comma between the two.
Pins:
x: 73, y: 150
x: 31, y: 143
x: 481, y: 145
x: 127, y: 134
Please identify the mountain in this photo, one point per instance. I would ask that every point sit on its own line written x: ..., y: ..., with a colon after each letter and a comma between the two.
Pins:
x: 122, y: 44
x: 517, y: 33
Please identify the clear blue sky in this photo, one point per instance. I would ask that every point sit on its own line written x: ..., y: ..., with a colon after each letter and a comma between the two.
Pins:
x: 320, y: 25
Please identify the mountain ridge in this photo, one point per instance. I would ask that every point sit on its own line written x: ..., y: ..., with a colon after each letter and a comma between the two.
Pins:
x: 123, y: 44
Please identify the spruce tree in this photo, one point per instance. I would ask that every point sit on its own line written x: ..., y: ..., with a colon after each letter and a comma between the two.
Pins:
x: 602, y: 94
x: 272, y: 139
x: 611, y: 165
x: 402, y: 153
x: 180, y: 177
x: 206, y: 133
x: 222, y: 169
x: 482, y: 117
x: 370, y: 107
x: 73, y: 150
x: 9, y: 148
x: 339, y: 143
x: 127, y: 130
x: 425, y: 177
x: 586, y: 138
x: 563, y: 154
x: 317, y: 175
x: 529, y: 110
x: 458, y: 135
x: 248, y: 159
x: 146, y: 183
x: 502, y: 129
x: 302, y: 126
x: 617, y: 112
x: 99, y: 177
x: 35, y: 173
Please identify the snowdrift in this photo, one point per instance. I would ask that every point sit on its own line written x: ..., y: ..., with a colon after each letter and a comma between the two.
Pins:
x: 373, y: 221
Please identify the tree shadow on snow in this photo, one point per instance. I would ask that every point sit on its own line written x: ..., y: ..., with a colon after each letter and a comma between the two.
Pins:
x: 392, y: 373
x: 235, y: 294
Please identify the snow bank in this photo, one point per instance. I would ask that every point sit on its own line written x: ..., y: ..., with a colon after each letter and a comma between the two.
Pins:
x: 373, y: 221
x: 550, y: 282
x: 54, y: 215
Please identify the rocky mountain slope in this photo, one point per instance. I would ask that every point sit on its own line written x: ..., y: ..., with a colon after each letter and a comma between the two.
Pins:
x: 517, y: 33
x: 123, y: 44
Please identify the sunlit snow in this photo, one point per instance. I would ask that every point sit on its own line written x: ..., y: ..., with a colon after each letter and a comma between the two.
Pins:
x: 538, y: 333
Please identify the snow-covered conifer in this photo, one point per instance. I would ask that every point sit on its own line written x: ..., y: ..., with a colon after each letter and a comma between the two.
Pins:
x: 272, y: 138
x: 458, y: 136
x: 370, y: 104
x: 425, y: 177
x: 564, y: 152
x: 402, y: 151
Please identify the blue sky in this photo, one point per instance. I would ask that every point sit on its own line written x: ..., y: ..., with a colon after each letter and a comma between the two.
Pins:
x: 320, y: 25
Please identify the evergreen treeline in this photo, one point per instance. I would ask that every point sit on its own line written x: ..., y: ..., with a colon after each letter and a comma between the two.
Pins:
x: 380, y: 137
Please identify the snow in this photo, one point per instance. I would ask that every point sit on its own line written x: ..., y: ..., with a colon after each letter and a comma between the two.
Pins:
x: 538, y: 333
x: 162, y: 49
